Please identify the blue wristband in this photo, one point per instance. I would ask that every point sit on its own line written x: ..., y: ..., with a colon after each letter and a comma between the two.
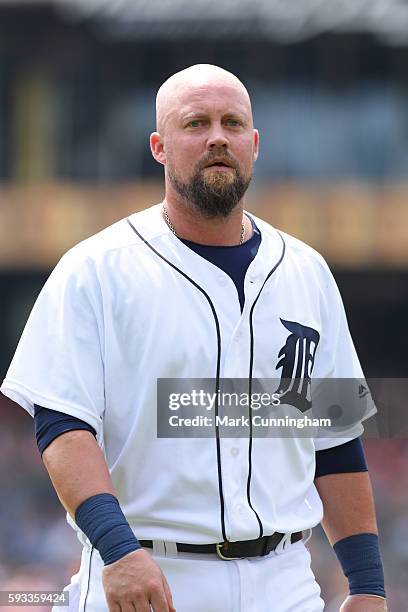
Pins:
x: 101, y: 519
x: 360, y: 558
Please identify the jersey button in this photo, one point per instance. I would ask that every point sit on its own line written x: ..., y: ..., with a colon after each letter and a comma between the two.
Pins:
x: 222, y: 281
x: 255, y: 279
x: 234, y: 451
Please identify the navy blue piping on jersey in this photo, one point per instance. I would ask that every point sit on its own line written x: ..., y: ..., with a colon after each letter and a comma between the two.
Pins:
x: 89, y: 577
x: 251, y: 364
x: 217, y: 383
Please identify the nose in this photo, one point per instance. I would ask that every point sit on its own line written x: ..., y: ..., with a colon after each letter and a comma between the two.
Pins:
x: 217, y: 138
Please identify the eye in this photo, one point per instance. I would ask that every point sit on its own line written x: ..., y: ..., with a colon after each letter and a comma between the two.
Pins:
x: 195, y: 123
x: 233, y: 122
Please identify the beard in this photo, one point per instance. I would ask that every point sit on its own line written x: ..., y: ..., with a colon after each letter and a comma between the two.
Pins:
x: 212, y: 193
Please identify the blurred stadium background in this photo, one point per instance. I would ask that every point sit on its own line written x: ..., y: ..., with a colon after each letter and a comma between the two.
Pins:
x: 329, y: 85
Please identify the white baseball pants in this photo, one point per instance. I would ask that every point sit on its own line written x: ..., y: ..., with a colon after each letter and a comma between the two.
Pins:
x: 280, y: 582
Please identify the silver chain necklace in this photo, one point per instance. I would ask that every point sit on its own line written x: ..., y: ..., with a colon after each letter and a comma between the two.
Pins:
x: 172, y: 228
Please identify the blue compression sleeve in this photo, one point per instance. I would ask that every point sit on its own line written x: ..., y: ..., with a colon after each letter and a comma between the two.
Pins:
x: 348, y: 457
x: 49, y: 424
x: 101, y: 519
x: 360, y: 558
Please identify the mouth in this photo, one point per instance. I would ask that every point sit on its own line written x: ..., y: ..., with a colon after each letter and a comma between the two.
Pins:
x: 219, y: 165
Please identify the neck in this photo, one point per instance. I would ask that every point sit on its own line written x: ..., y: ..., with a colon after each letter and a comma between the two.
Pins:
x: 219, y: 231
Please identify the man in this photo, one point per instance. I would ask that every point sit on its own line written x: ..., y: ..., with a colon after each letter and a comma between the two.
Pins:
x: 194, y: 288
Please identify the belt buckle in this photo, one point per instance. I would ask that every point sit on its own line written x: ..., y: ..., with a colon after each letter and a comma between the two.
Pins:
x: 221, y: 556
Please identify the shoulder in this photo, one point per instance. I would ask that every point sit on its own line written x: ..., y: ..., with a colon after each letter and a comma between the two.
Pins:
x: 306, y: 255
x: 84, y: 264
x: 295, y: 250
x: 114, y: 239
x: 122, y: 234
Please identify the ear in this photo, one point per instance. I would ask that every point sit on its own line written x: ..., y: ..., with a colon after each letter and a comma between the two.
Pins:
x: 157, y: 148
x: 256, y: 144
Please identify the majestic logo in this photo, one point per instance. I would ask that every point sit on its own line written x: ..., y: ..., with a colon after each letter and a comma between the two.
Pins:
x: 362, y: 391
x: 296, y: 361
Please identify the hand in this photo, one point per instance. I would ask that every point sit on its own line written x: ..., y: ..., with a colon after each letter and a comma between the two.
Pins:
x: 136, y: 582
x: 364, y: 603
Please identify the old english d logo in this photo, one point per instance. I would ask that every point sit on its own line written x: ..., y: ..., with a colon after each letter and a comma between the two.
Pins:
x: 296, y: 361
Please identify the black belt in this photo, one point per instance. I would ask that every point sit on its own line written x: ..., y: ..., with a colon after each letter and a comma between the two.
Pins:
x: 235, y: 550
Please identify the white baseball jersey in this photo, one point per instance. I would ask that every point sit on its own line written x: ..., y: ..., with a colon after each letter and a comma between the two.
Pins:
x: 134, y: 304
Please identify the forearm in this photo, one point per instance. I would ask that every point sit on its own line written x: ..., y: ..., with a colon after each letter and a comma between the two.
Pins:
x: 348, y: 505
x: 77, y: 468
x: 79, y: 474
x: 81, y: 478
x: 351, y: 527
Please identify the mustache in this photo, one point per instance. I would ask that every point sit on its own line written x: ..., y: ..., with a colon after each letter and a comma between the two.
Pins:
x: 211, y: 158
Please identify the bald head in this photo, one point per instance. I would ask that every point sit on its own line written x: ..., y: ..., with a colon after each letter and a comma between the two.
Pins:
x: 181, y: 85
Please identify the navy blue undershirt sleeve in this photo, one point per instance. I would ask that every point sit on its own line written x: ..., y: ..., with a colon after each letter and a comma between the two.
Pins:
x: 348, y: 457
x: 49, y: 424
